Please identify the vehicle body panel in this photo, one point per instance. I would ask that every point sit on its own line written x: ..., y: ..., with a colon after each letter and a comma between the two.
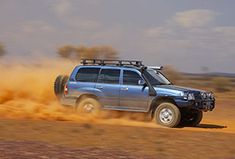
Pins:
x: 108, y: 94
x: 131, y: 97
x: 135, y: 97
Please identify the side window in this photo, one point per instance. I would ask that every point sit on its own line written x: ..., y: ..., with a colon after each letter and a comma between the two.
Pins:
x: 130, y: 78
x: 87, y: 74
x: 110, y: 76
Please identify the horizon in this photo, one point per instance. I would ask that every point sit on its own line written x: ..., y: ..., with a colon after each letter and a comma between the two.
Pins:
x: 190, y: 36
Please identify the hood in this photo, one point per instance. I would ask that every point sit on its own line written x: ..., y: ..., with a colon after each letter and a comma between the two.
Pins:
x: 173, y: 90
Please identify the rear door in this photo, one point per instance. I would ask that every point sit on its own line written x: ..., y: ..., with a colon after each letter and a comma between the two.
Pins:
x: 133, y: 96
x: 108, y: 84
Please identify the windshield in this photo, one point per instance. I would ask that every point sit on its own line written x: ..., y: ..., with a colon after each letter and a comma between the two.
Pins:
x: 156, y: 77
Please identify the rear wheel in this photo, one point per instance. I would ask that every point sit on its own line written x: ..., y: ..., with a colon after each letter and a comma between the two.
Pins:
x: 89, y: 106
x: 59, y: 85
x: 167, y: 114
x: 192, y: 118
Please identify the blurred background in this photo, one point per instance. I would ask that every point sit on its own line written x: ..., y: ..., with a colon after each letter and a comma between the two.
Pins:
x: 191, y: 36
x: 193, y: 40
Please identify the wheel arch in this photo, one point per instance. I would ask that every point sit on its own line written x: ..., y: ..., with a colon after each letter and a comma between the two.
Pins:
x: 157, y: 101
x: 86, y: 95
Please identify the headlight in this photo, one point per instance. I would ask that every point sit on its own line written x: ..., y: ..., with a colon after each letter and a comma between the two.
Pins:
x: 184, y: 95
x: 207, y: 95
x: 191, y: 96
x: 204, y: 95
x: 211, y: 95
x: 187, y: 96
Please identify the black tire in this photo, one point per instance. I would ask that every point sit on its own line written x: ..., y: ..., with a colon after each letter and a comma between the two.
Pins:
x: 89, y: 106
x: 167, y: 114
x: 59, y: 85
x: 191, y: 118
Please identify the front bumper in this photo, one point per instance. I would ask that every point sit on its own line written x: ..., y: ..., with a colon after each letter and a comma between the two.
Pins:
x: 202, y: 105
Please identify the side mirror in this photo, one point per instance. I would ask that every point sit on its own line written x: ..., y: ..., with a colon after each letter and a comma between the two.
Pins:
x: 141, y: 82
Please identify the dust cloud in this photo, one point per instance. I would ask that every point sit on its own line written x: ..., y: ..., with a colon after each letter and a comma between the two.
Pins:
x: 27, y: 93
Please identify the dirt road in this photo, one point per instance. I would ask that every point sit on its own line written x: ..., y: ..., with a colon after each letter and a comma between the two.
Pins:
x: 119, y: 138
x: 51, y: 139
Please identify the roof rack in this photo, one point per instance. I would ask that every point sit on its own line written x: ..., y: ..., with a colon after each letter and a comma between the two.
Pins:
x: 155, y: 67
x: 111, y: 62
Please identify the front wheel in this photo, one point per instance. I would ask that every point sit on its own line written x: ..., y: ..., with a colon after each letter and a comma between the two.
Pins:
x: 192, y: 118
x: 167, y: 114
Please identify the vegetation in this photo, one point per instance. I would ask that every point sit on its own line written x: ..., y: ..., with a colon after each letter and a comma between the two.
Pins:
x: 221, y: 84
x: 2, y: 50
x: 77, y: 52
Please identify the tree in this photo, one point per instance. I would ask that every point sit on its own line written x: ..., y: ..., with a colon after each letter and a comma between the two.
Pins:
x: 77, y: 52
x: 2, y: 50
x: 67, y: 51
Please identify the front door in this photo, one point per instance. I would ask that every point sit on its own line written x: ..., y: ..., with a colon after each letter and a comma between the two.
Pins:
x: 133, y: 96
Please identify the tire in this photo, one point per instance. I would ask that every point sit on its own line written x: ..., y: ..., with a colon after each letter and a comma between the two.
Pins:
x: 59, y: 85
x: 89, y: 106
x: 167, y: 114
x: 192, y: 118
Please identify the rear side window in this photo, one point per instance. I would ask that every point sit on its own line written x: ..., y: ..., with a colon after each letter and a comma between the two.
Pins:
x: 87, y: 74
x: 110, y: 76
x: 130, y: 78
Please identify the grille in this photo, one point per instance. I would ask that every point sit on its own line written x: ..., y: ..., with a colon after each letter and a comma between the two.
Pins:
x: 198, y: 96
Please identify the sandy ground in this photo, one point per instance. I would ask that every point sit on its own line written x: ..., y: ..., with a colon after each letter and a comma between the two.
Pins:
x: 119, y: 138
x: 30, y: 149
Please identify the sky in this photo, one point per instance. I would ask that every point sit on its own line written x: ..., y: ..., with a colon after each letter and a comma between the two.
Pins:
x: 186, y: 34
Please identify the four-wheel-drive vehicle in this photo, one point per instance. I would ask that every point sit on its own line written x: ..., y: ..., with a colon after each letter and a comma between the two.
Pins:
x: 131, y: 86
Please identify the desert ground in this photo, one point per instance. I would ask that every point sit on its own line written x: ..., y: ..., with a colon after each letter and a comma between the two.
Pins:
x: 34, y: 125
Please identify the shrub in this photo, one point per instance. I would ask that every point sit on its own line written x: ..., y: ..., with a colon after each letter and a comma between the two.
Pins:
x: 221, y: 84
x: 77, y: 52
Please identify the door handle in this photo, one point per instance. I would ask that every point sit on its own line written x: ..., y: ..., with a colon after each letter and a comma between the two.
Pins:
x: 99, y: 87
x: 124, y: 89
